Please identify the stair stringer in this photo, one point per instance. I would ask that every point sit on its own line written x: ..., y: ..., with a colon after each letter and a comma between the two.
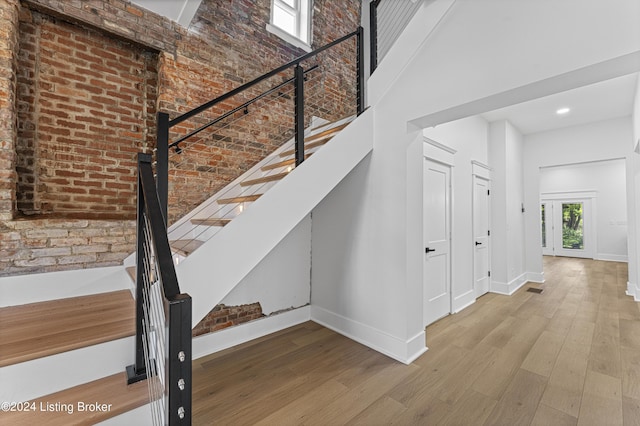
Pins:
x: 220, y: 264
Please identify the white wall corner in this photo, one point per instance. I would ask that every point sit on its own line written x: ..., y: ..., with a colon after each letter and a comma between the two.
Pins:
x: 232, y: 336
x: 404, y: 351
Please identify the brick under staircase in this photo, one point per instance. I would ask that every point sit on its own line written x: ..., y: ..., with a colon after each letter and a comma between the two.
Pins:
x: 40, y: 338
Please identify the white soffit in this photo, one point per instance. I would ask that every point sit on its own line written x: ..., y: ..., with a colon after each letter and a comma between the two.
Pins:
x: 600, y: 101
x: 180, y: 11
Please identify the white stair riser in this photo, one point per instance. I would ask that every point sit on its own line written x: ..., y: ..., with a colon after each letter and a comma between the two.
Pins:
x: 43, y: 376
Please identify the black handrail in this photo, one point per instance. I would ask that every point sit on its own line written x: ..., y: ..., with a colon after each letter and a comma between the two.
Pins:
x: 165, y: 124
x: 175, y: 143
x: 154, y: 267
x: 298, y: 60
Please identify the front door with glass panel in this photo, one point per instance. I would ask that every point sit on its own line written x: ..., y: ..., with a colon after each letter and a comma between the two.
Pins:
x: 566, y: 228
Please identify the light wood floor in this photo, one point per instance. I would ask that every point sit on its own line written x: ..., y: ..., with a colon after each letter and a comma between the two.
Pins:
x: 568, y: 356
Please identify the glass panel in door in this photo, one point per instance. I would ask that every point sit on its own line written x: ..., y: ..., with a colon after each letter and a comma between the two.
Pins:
x: 572, y: 226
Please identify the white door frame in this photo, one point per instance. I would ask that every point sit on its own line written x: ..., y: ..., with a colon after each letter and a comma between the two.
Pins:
x: 547, y: 249
x: 444, y: 155
x: 480, y: 171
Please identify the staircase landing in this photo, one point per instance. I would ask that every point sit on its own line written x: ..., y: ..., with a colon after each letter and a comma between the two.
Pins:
x: 46, y: 328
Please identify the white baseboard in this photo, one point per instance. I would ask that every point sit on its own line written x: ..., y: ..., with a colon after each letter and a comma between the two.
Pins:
x: 612, y: 257
x: 462, y: 308
x: 32, y: 288
x: 535, y: 277
x: 510, y: 287
x: 463, y: 301
x: 391, y: 346
x: 633, y: 291
x: 229, y: 337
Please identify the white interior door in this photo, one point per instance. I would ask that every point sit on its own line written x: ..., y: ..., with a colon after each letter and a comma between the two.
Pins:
x: 437, y: 256
x: 481, y: 232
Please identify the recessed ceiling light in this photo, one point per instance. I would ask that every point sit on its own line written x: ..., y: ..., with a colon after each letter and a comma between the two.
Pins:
x: 563, y: 111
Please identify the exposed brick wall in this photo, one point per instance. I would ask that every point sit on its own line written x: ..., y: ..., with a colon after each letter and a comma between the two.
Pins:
x: 228, y: 45
x: 9, y: 12
x: 77, y: 158
x: 84, y: 114
x: 41, y: 245
x: 223, y: 316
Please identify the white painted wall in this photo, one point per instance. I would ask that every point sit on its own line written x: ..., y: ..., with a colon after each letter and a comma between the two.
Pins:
x: 367, y: 260
x: 508, y: 270
x: 608, y: 180
x: 633, y: 198
x: 469, y: 138
x: 282, y: 280
x: 636, y: 113
x: 593, y: 142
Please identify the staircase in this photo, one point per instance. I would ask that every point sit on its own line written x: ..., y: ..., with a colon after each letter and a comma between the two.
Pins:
x: 72, y: 351
x: 75, y: 349
x: 65, y: 359
x: 197, y: 227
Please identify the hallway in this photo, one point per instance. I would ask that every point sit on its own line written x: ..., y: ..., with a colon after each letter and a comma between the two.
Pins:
x: 570, y: 355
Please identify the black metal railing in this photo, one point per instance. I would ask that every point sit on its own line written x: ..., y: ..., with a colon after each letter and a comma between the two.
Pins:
x: 165, y: 124
x: 373, y: 35
x: 387, y: 20
x: 163, y: 314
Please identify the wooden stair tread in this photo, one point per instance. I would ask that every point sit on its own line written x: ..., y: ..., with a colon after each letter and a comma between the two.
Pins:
x: 330, y: 123
x: 211, y: 221
x: 310, y: 145
x: 283, y: 163
x: 269, y: 178
x: 112, y: 390
x: 241, y: 199
x: 47, y: 328
x: 318, y: 139
x: 185, y: 247
x: 329, y: 132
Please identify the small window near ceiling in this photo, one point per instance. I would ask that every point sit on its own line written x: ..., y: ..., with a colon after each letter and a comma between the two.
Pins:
x: 291, y: 21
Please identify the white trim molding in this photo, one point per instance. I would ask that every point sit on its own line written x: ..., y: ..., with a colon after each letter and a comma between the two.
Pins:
x: 510, y: 287
x: 378, y: 340
x: 612, y: 257
x: 480, y: 169
x: 633, y: 290
x: 439, y: 152
x: 535, y: 277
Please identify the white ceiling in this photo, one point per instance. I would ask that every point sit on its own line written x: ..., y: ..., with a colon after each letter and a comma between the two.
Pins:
x: 180, y: 11
x: 601, y: 101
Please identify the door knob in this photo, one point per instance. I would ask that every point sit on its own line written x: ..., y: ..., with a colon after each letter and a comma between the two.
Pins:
x: 478, y: 244
x: 427, y: 250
